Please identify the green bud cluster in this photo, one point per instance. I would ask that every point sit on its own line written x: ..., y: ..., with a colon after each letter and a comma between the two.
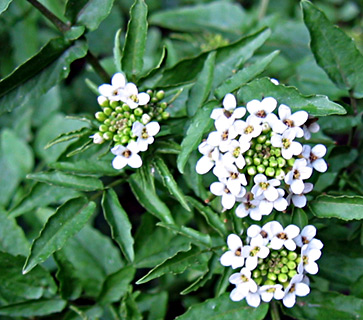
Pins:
x: 262, y: 157
x: 279, y: 267
x: 116, y: 118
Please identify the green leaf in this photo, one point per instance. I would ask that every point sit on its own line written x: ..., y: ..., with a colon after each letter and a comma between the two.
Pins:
x: 342, y: 207
x: 73, y: 8
x: 16, y: 287
x: 69, y: 136
x: 224, y: 308
x: 212, y: 218
x: 175, y: 265
x: 36, y: 76
x: 119, y: 223
x: 145, y: 193
x: 65, y: 223
x: 4, y: 4
x: 200, y: 124
x: 214, y: 17
x: 129, y: 309
x: 196, y: 236
x: 87, y: 167
x: 168, y: 147
x: 245, y: 75
x: 316, y: 105
x: 334, y: 51
x: 117, y: 53
x: 135, y: 41
x: 83, y: 265
x: 155, y: 304
x: 93, y: 13
x: 200, y: 91
x: 61, y: 179
x: 299, y: 218
x: 170, y: 182
x: 41, y: 195
x: 116, y: 285
x: 326, y: 306
x: 12, y: 237
x: 228, y: 59
x: 32, y: 308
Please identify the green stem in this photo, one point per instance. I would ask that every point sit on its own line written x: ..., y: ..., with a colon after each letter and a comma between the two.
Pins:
x: 275, y: 314
x: 111, y: 185
x: 62, y: 27
x: 93, y: 61
x: 263, y: 9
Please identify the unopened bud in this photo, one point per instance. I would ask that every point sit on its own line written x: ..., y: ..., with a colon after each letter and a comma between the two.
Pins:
x: 256, y: 161
x: 291, y: 162
x: 108, y: 135
x: 164, y: 105
x: 291, y: 265
x: 282, y: 277
x: 261, y: 168
x: 251, y: 170
x: 272, y: 276
x: 145, y: 118
x: 114, y: 104
x: 284, y: 269
x: 270, y: 172
x: 165, y: 115
x: 261, y: 139
x: 124, y: 139
x: 125, y: 107
x: 292, y: 273
x: 107, y: 111
x: 160, y: 95
x: 248, y: 161
x: 138, y: 112
x: 103, y: 128
x: 100, y: 116
x: 103, y: 101
x: 269, y: 283
x: 292, y: 256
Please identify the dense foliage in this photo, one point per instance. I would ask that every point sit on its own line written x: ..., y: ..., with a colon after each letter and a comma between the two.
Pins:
x: 156, y: 153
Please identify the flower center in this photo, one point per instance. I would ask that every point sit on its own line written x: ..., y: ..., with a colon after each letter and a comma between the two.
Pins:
x: 313, y: 157
x: 225, y: 135
x: 249, y: 129
x: 261, y: 114
x: 238, y: 252
x: 134, y: 98
x: 237, y: 152
x: 304, y: 240
x: 286, y: 143
x: 226, y: 190
x: 289, y: 123
x: 282, y: 236
x: 227, y: 113
x: 144, y: 134
x: 244, y: 278
x: 121, y: 124
x: 264, y: 185
x: 126, y: 153
x: 263, y: 234
x: 292, y: 289
x: 305, y: 260
x: 234, y: 175
x: 272, y: 290
x: 296, y: 174
x: 254, y: 251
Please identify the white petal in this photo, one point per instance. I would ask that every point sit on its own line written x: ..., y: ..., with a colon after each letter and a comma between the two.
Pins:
x: 251, y: 263
x: 118, y: 150
x: 280, y: 204
x: 143, y: 98
x: 279, y: 294
x: 292, y: 231
x: 118, y: 80
x: 301, y: 289
x: 320, y: 165
x: 311, y: 268
x: 297, y: 186
x: 308, y: 187
x: 237, y: 262
x: 238, y: 113
x: 119, y: 162
x: 229, y: 101
x: 266, y: 296
x: 289, y: 300
x: 274, y: 226
x: 134, y: 161
x: 314, y: 127
x: 296, y: 148
x: 214, y: 138
x: 241, y: 211
x: 269, y: 104
x: 216, y: 113
x: 265, y: 207
x: 235, y: 278
x: 217, y: 188
x: 153, y: 128
x: 305, y: 173
x: 263, y: 253
x: 284, y: 112
x: 234, y: 186
x: 253, y: 106
x: 255, y: 214
x: 234, y: 242
x: 142, y: 144
x: 316, y: 244
x: 131, y: 89
x: 299, y: 118
x: 133, y: 147
x: 289, y: 177
x: 253, y: 231
x: 276, y: 140
x: 253, y: 299
x: 299, y: 200
x: 106, y: 90
x: 228, y: 200
x: 271, y: 194
x: 204, y: 164
x: 227, y: 258
x: 137, y: 128
x: 276, y: 243
x: 259, y: 178
x: 290, y: 244
x: 237, y: 295
x: 308, y: 232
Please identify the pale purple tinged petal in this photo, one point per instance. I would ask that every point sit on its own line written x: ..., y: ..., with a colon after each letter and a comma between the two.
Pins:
x: 299, y: 201
x: 235, y: 278
x: 137, y: 128
x: 320, y: 165
x: 289, y: 300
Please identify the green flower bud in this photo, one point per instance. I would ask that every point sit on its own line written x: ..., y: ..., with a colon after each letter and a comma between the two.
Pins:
x: 107, y: 122
x: 274, y: 254
x: 265, y: 162
x: 165, y: 115
x: 292, y: 256
x: 282, y: 277
x: 258, y: 280
x: 127, y: 114
x: 281, y: 162
x: 284, y: 269
x: 160, y: 95
x: 100, y: 116
x: 258, y: 147
x: 118, y: 109
x: 129, y: 123
x: 291, y: 265
x: 250, y: 153
x: 283, y: 253
x: 292, y: 273
x: 164, y: 105
x: 112, y: 128
x: 154, y: 99
x: 126, y: 131
x: 291, y: 162
x: 284, y: 260
x: 269, y: 283
x: 159, y: 110
x: 138, y: 112
x: 277, y: 271
x: 125, y: 107
x: 263, y: 272
x: 273, y: 164
x: 103, y: 128
x: 261, y: 168
x: 272, y: 276
x: 251, y: 170
x: 248, y: 161
x: 114, y: 104
x: 107, y: 135
x: 277, y: 152
x: 159, y: 118
x: 261, y: 139
x: 268, y: 143
x: 124, y: 139
x: 298, y: 259
x: 270, y: 172
x: 150, y: 92
x: 256, y: 273
x: 256, y: 161
x: 272, y: 152
x: 116, y: 137
x: 132, y: 117
x: 263, y: 266
x: 107, y: 111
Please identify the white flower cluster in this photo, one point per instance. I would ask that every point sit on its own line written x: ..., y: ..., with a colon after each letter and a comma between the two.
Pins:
x: 274, y: 263
x: 126, y: 119
x: 257, y: 160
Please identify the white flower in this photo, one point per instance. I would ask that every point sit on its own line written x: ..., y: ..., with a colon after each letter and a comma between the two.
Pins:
x: 265, y: 187
x: 233, y: 257
x: 228, y: 198
x: 291, y: 121
x: 222, y: 138
x: 145, y: 134
x: 314, y: 157
x: 307, y: 237
x: 261, y: 109
x: 244, y: 282
x: 295, y: 288
x: 265, y: 232
x: 256, y: 249
x: 299, y: 200
x: 308, y: 258
x: 280, y: 204
x: 285, y: 141
x: 311, y: 126
x: 131, y: 96
x: 112, y: 91
x: 234, y: 178
x: 210, y: 156
x: 255, y: 208
x: 224, y: 117
x: 268, y: 292
x: 248, y: 129
x: 299, y: 172
x: 126, y: 156
x: 283, y: 237
x: 97, y: 138
x: 234, y: 153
